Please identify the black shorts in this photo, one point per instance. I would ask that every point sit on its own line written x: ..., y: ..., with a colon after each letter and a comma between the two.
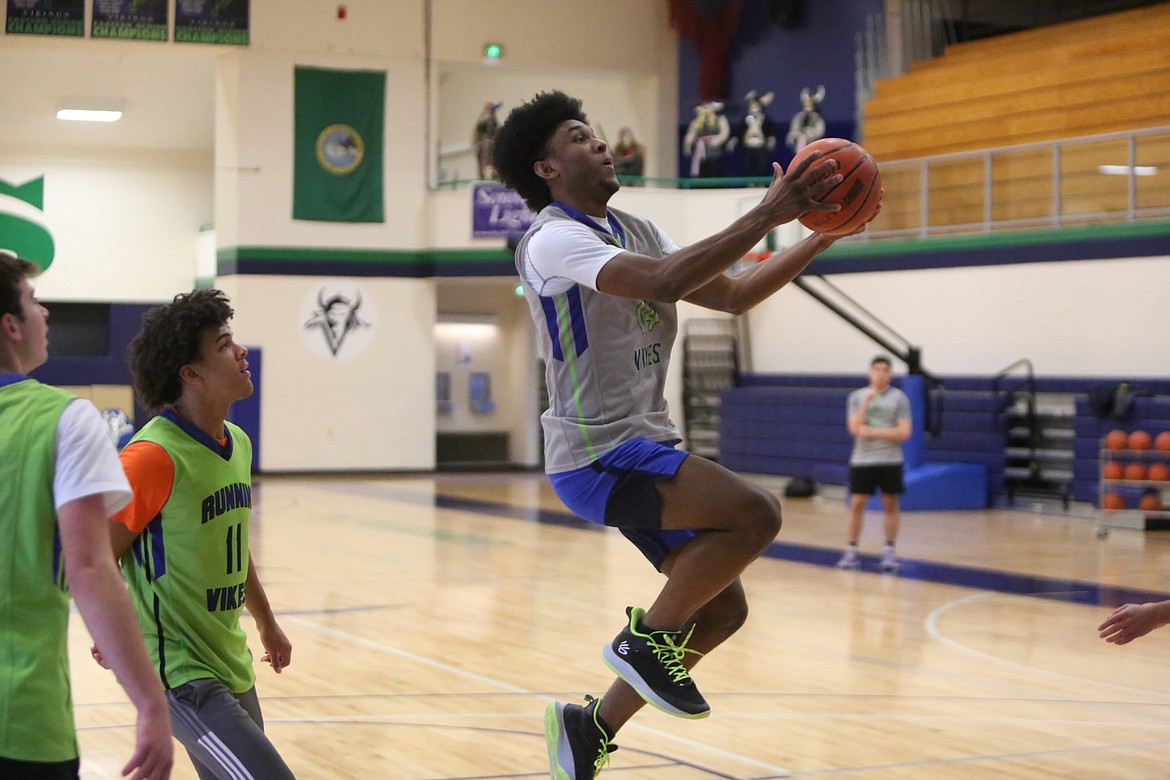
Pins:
x: 11, y: 769
x: 867, y: 480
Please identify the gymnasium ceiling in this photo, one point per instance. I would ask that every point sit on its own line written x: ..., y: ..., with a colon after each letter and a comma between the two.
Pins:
x: 168, y: 94
x: 167, y: 98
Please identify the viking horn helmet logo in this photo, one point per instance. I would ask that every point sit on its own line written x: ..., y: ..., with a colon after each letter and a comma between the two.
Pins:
x: 337, y: 317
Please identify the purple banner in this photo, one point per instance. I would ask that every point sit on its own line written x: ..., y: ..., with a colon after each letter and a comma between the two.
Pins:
x: 498, y: 212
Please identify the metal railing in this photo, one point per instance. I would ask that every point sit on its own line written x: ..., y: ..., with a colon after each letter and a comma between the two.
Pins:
x: 1114, y: 177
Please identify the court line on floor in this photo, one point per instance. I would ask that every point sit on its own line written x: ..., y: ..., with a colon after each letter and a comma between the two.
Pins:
x: 940, y: 572
x: 930, y: 623
x: 501, y: 685
x: 912, y: 569
x: 978, y: 759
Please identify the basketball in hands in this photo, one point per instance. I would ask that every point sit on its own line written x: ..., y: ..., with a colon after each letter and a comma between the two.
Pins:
x: 859, y: 193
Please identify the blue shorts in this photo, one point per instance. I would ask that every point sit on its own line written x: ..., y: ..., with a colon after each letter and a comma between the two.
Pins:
x: 618, y: 489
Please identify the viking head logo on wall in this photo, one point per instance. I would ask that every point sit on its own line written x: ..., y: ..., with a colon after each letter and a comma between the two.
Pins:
x: 337, y: 316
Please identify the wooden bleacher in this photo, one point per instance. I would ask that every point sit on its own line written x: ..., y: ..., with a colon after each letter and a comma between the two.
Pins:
x: 1099, y: 75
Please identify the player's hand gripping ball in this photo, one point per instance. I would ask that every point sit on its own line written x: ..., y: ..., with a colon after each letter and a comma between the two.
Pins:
x: 859, y: 193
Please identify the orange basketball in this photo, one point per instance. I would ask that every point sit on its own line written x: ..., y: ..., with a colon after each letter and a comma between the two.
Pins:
x: 1159, y: 472
x: 1135, y: 471
x: 1150, y: 502
x: 1162, y: 441
x: 859, y: 193
x: 1116, y: 440
x: 1139, y: 440
x: 1111, y: 470
x: 1112, y: 500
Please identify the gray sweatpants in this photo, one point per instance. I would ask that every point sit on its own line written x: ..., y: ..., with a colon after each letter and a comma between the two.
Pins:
x: 224, y: 733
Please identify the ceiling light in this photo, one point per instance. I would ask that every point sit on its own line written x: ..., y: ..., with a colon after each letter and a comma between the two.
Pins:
x: 88, y: 115
x: 89, y: 110
x: 1124, y: 170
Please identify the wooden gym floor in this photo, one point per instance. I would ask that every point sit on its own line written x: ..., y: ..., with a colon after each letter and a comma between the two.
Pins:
x: 434, y: 616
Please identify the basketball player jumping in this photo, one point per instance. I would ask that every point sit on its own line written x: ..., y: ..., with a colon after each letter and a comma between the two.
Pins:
x: 603, y: 286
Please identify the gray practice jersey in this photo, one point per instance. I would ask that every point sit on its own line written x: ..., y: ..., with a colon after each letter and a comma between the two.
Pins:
x: 605, y: 356
x: 884, y: 411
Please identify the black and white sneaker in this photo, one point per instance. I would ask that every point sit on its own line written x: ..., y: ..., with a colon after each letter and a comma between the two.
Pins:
x: 578, y: 745
x: 651, y: 662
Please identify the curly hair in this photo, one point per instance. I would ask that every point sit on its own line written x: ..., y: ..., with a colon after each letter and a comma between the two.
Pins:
x: 520, y: 143
x: 13, y: 271
x: 170, y: 339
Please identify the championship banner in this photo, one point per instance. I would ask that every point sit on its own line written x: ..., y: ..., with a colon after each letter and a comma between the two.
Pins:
x: 36, y: 17
x: 144, y: 20
x: 211, y: 21
x: 498, y: 212
x: 337, y: 145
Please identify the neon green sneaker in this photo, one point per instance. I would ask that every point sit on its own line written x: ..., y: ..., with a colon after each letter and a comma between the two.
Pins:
x: 651, y: 662
x: 578, y: 744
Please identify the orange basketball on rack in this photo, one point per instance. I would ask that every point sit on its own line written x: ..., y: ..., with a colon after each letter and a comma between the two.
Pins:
x: 1159, y: 472
x: 1112, y: 470
x: 1135, y: 471
x: 1150, y: 502
x: 859, y: 193
x: 1116, y: 440
x: 1162, y: 441
x: 1112, y: 501
x: 1139, y: 440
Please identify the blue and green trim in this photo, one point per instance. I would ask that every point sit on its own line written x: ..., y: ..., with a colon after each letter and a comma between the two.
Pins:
x: 1095, y: 242
x: 329, y: 261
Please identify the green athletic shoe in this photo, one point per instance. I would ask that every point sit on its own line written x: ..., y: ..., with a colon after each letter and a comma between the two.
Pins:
x: 578, y: 745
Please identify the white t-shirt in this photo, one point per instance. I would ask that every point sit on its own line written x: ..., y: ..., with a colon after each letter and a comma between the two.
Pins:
x: 565, y: 252
x: 87, y: 463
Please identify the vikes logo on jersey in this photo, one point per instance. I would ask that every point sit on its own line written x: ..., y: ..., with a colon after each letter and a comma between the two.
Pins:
x: 649, y: 355
x: 647, y: 317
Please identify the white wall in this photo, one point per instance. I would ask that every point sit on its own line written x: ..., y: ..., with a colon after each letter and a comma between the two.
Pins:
x: 369, y: 411
x: 620, y: 57
x: 125, y: 227
x: 1084, y: 318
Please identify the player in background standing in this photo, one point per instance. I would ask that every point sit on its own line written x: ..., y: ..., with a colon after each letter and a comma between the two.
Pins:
x: 878, y: 418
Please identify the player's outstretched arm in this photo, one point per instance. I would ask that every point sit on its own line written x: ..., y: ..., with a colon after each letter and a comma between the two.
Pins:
x: 104, y: 603
x: 790, y: 194
x: 755, y: 285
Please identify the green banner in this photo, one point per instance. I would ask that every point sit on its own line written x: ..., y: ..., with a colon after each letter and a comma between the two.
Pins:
x: 337, y: 145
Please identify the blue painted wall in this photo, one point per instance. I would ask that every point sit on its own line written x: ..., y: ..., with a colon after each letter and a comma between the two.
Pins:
x: 766, y: 56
